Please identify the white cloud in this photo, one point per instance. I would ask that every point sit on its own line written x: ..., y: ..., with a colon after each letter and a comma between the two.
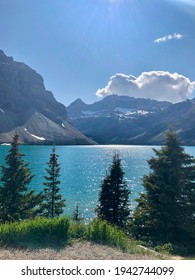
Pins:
x: 158, y: 85
x: 175, y: 36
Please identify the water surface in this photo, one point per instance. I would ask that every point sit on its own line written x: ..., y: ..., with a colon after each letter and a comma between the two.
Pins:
x: 84, y: 167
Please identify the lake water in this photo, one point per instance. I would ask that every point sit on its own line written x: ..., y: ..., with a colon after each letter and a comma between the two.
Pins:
x: 84, y: 167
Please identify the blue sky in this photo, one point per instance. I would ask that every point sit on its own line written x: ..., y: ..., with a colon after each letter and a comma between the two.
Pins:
x: 85, y: 48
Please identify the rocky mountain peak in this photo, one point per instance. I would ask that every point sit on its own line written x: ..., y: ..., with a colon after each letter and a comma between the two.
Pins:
x: 23, y: 97
x: 115, y: 106
x: 78, y: 102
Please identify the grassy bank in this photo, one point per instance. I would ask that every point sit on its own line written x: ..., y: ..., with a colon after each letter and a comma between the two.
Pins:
x: 57, y: 232
x: 42, y: 233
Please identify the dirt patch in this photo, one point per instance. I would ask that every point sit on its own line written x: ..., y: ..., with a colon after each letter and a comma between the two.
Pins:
x: 76, y: 251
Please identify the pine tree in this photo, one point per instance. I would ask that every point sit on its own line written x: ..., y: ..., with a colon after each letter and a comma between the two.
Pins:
x: 166, y: 210
x: 113, y: 198
x: 16, y: 202
x: 53, y: 203
x: 76, y: 215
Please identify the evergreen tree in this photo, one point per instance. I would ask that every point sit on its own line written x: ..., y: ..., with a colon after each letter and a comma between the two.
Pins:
x: 53, y: 203
x: 16, y: 202
x: 113, y: 198
x: 76, y: 215
x: 166, y: 210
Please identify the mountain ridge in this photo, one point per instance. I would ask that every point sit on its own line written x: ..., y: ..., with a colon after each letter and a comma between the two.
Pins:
x: 136, y: 121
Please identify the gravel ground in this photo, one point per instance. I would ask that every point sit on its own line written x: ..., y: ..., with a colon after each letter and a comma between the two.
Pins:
x: 76, y: 251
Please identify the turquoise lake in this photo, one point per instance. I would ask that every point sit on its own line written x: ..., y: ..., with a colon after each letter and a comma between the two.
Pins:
x: 84, y: 167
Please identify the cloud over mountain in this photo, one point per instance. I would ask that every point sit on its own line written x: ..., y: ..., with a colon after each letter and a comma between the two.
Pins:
x: 158, y: 85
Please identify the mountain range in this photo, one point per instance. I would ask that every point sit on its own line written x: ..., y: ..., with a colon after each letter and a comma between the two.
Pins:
x: 127, y: 120
x: 27, y: 108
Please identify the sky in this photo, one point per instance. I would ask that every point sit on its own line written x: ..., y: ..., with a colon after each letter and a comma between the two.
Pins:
x: 89, y: 49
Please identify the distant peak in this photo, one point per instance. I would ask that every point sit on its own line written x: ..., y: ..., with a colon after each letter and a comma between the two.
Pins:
x: 78, y: 101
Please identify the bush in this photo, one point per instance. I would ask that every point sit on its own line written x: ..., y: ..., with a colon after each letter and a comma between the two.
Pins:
x: 176, y: 249
x: 166, y: 248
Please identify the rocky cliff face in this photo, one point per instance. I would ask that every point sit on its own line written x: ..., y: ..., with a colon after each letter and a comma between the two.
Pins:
x: 26, y: 106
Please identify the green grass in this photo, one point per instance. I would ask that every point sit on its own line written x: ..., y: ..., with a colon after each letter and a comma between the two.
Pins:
x: 101, y: 232
x: 57, y: 232
x: 39, y: 232
x: 104, y: 233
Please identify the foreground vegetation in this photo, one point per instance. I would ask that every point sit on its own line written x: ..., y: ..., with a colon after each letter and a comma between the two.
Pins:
x: 58, y: 232
x: 164, y: 217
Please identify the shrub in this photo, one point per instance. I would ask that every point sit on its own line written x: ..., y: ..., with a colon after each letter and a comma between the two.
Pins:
x: 176, y: 249
x: 166, y: 248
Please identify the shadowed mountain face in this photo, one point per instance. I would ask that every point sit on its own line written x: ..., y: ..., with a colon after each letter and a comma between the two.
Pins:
x: 128, y: 120
x: 28, y: 108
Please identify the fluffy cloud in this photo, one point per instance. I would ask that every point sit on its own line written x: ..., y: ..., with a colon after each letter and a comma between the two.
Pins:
x: 158, y: 85
x: 175, y: 36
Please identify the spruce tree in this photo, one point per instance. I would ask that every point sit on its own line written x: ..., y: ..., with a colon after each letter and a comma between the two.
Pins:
x: 76, y: 215
x: 53, y: 203
x: 166, y: 210
x: 114, y: 195
x: 16, y: 202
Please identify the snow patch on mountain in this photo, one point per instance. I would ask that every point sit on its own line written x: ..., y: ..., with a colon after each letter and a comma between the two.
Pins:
x: 35, y: 136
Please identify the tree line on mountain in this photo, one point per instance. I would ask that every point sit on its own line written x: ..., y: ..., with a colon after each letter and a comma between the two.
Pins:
x: 165, y: 211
